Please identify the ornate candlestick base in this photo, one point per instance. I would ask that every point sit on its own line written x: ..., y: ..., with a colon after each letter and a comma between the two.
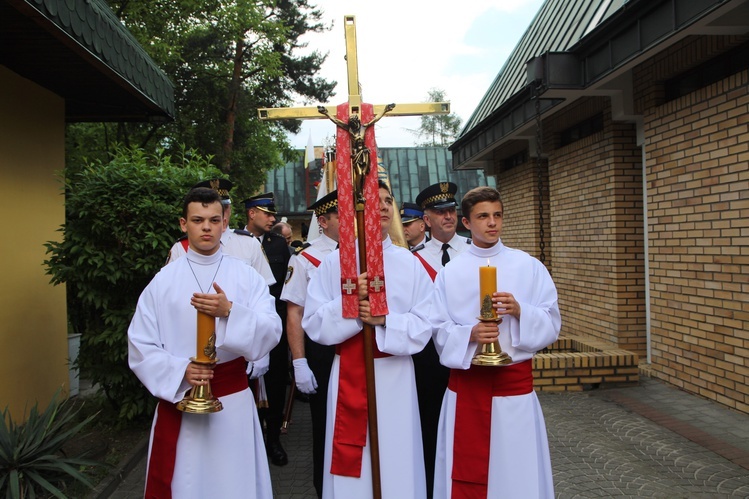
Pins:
x: 200, y: 400
x: 491, y: 354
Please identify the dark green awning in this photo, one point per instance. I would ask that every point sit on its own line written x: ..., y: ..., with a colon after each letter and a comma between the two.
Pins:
x: 79, y: 50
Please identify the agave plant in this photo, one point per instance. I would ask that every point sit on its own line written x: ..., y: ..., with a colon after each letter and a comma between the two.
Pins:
x: 31, y: 457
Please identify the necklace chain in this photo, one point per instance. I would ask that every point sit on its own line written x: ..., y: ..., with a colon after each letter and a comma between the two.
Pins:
x: 212, y: 279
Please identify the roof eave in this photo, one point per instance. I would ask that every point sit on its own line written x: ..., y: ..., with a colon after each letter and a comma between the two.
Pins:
x: 601, y: 53
x: 80, y: 51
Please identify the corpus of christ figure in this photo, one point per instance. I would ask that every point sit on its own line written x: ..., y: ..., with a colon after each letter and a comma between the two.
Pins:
x: 359, y: 151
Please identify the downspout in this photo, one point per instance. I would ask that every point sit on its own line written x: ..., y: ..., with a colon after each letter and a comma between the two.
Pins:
x: 646, y: 243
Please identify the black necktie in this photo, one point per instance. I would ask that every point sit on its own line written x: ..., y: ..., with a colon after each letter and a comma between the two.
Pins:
x: 445, y: 254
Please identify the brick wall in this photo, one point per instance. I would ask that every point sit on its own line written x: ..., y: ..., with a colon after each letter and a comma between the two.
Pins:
x: 597, y: 228
x: 697, y: 156
x: 520, y: 226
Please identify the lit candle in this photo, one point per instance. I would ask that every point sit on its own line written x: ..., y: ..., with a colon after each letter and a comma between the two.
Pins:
x: 487, y: 287
x: 206, y: 329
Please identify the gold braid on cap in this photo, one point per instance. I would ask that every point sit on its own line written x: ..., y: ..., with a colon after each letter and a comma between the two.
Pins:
x: 437, y: 197
x: 323, y: 209
x: 215, y: 186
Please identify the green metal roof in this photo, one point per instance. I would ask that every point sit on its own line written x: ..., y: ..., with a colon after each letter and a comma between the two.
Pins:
x: 81, y: 51
x: 411, y: 169
x: 558, y: 25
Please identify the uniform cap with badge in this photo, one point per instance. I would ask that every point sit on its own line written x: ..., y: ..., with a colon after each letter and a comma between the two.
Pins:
x: 263, y: 202
x: 439, y: 196
x: 411, y: 212
x: 326, y: 204
x: 220, y: 185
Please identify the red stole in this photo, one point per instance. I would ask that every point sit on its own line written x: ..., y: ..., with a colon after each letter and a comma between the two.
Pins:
x: 474, y: 389
x: 346, y: 217
x: 350, y: 429
x: 228, y: 378
x: 432, y: 273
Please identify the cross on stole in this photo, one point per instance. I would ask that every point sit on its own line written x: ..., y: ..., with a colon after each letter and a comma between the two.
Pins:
x: 363, y: 115
x: 348, y: 287
x: 377, y: 283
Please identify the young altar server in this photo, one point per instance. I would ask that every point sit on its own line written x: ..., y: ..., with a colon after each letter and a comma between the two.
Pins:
x: 403, y: 332
x: 218, y: 454
x: 492, y: 436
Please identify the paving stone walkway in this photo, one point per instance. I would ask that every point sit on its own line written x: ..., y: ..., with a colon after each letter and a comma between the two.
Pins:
x: 652, y: 440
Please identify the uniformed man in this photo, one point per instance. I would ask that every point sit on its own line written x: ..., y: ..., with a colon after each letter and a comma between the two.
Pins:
x: 312, y: 361
x: 235, y: 242
x: 261, y: 216
x: 441, y: 217
x: 414, y: 228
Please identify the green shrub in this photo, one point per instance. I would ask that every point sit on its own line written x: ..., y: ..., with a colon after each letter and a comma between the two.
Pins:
x: 31, y: 457
x: 121, y: 220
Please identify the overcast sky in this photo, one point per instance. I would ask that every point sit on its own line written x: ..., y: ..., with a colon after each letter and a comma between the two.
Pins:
x: 408, y: 47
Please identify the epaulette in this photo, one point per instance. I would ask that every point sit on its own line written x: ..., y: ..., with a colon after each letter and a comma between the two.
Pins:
x: 301, y: 248
x: 243, y: 232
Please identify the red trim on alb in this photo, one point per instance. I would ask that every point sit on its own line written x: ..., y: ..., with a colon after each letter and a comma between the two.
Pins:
x: 432, y: 273
x: 228, y: 378
x: 474, y: 389
x: 350, y: 429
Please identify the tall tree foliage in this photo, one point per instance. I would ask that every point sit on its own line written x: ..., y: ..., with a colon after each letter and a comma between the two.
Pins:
x: 226, y: 58
x: 438, y: 129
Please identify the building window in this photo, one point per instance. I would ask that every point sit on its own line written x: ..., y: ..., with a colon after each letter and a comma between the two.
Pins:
x: 581, y: 130
x: 712, y: 71
x: 514, y: 160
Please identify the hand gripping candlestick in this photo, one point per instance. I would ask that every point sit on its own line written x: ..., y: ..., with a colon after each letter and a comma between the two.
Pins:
x: 490, y: 354
x: 200, y: 400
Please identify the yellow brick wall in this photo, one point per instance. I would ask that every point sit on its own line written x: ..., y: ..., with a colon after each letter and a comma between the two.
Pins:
x: 697, y: 156
x: 597, y: 228
x: 520, y: 226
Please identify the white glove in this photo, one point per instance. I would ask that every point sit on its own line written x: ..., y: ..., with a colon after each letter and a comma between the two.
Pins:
x: 260, y: 367
x: 305, y: 379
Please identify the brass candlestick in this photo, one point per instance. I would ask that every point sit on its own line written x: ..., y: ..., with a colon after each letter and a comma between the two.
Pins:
x: 200, y: 399
x: 490, y: 354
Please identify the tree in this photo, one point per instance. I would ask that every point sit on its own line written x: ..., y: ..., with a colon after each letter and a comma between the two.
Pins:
x: 121, y: 222
x: 226, y: 59
x: 439, y: 130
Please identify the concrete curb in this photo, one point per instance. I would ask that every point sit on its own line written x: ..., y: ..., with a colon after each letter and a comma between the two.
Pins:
x: 109, y: 485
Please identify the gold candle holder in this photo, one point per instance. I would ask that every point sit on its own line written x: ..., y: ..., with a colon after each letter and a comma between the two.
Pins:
x: 490, y: 354
x: 200, y: 399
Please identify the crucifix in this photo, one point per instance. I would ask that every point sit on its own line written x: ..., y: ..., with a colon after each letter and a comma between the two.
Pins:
x: 358, y: 212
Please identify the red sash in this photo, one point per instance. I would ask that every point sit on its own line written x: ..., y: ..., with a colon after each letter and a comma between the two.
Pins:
x: 185, y: 243
x: 350, y: 430
x: 314, y: 261
x: 228, y: 378
x: 474, y: 389
x: 432, y: 273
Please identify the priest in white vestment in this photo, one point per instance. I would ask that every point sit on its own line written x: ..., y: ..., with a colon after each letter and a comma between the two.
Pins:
x: 219, y: 454
x: 492, y: 437
x: 403, y: 332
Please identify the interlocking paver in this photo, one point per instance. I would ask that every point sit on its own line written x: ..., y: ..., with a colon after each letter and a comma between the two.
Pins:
x: 647, y: 441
